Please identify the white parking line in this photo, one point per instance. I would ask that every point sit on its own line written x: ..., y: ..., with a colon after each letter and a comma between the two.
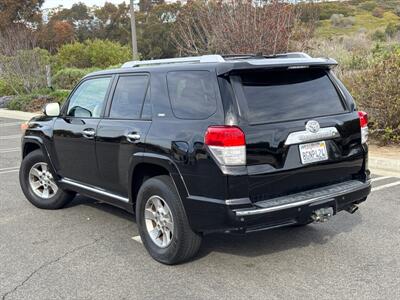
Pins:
x: 10, y: 124
x: 379, y: 178
x: 2, y: 171
x: 8, y: 137
x: 137, y: 239
x: 378, y: 188
x: 10, y: 150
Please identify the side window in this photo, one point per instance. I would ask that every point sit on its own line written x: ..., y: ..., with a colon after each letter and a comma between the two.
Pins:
x: 88, y: 99
x: 192, y: 94
x: 128, y: 97
x: 147, y: 111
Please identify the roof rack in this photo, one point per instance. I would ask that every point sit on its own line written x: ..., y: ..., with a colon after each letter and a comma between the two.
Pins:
x: 280, y: 55
x: 192, y: 59
x: 213, y: 58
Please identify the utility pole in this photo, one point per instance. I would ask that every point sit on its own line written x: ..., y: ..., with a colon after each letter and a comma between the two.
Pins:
x: 133, y: 32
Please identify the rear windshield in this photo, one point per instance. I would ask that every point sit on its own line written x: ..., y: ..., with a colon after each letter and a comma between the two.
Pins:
x: 279, y: 95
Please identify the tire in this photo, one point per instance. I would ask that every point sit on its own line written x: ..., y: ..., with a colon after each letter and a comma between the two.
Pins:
x: 184, y: 243
x: 55, y: 200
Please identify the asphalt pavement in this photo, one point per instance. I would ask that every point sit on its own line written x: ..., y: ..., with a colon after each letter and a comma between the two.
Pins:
x: 90, y: 250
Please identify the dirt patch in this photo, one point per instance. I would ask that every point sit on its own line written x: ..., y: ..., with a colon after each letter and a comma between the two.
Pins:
x: 392, y: 151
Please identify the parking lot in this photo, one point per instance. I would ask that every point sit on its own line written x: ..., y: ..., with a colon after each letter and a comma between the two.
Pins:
x: 90, y: 250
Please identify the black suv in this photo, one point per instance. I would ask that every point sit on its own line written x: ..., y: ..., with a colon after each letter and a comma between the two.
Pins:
x: 206, y: 144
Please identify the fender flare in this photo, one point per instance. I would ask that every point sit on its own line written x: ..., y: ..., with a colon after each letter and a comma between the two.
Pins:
x: 31, y: 139
x: 161, y: 161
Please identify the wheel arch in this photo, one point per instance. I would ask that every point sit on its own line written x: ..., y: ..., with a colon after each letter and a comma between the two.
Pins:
x: 33, y: 143
x: 149, y: 165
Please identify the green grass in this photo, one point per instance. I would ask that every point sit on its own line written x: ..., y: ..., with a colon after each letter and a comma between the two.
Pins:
x: 363, y: 20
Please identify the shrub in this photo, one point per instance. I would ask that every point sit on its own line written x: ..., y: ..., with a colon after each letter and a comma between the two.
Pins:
x: 392, y: 29
x: 397, y: 10
x: 73, y: 55
x: 379, y: 36
x: 96, y: 53
x: 26, y: 70
x: 328, y: 9
x: 59, y: 95
x: 339, y: 20
x: 36, y: 100
x: 368, y: 6
x: 5, y: 88
x: 69, y: 77
x: 377, y: 92
x: 378, y: 12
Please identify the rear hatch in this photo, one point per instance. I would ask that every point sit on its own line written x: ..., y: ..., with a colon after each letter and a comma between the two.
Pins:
x: 301, y: 132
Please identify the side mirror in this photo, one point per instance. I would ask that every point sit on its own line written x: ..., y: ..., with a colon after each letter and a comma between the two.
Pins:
x: 52, y: 109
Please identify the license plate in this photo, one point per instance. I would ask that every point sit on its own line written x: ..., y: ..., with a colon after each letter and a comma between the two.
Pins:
x: 313, y: 152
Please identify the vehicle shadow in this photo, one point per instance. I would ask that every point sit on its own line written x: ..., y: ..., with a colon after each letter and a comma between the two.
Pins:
x: 281, y: 239
x: 252, y: 244
x: 105, y: 207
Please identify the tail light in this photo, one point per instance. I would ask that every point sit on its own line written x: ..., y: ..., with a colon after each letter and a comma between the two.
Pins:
x: 364, y: 126
x: 227, y: 144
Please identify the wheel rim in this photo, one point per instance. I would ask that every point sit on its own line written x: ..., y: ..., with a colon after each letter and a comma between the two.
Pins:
x: 41, y: 181
x: 159, y: 221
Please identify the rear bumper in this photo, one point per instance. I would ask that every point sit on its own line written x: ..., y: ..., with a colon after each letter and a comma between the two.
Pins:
x: 210, y: 215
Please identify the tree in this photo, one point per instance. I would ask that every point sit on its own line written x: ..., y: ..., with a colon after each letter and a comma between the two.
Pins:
x: 236, y: 26
x: 55, y: 34
x: 19, y: 11
x: 81, y: 19
x: 154, y: 31
x: 113, y: 23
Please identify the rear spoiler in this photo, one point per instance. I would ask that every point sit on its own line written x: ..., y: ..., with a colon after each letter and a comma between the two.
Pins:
x: 272, y: 63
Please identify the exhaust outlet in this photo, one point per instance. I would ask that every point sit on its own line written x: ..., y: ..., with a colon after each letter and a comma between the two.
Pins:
x: 352, y: 209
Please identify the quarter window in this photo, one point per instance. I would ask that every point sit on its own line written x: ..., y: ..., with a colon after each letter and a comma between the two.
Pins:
x: 88, y: 99
x: 128, y: 97
x: 192, y: 94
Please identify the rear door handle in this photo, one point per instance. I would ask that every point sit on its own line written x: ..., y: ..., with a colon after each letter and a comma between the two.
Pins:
x: 89, y: 133
x: 132, y: 137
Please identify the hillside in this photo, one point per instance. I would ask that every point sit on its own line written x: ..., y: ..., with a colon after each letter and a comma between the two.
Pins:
x: 350, y: 17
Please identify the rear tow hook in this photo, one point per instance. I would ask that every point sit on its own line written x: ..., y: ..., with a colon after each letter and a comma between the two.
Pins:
x: 322, y: 215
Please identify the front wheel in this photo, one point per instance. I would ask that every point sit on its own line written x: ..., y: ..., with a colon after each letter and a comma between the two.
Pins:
x: 163, y: 225
x: 38, y: 184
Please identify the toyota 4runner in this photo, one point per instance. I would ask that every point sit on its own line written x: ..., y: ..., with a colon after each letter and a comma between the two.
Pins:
x: 203, y: 144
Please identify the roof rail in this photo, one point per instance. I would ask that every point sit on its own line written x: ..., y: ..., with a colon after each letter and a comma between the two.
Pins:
x: 296, y: 55
x: 191, y: 59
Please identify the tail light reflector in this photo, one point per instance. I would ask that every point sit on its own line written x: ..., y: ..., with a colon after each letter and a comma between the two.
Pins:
x: 364, y: 126
x: 227, y: 144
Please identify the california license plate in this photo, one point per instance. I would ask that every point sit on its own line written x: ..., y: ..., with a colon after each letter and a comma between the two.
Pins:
x: 313, y: 152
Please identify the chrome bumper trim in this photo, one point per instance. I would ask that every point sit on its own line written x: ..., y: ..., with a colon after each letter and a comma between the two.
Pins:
x: 304, y: 198
x: 299, y: 137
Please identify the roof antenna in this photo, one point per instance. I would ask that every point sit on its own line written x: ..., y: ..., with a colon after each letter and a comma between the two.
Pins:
x: 259, y: 55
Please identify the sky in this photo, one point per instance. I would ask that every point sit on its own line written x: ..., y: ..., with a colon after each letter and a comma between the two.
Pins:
x: 68, y: 3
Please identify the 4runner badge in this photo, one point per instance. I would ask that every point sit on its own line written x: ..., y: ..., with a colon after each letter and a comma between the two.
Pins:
x: 312, y: 126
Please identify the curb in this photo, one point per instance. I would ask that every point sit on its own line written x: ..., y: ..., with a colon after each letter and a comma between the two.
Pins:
x: 14, y: 114
x: 384, y: 166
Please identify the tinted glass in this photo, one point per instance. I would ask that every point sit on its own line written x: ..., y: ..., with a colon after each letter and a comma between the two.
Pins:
x: 88, y: 99
x: 279, y: 95
x: 128, y: 97
x: 147, y: 110
x: 192, y: 94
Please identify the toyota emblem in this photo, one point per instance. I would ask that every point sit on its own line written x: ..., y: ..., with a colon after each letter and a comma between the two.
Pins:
x: 312, y: 126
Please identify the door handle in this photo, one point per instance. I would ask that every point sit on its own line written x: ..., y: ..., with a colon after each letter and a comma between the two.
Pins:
x: 89, y: 133
x: 132, y: 137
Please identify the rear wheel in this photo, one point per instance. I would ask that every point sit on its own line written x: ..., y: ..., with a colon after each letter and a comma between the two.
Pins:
x: 38, y: 184
x: 162, y: 222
